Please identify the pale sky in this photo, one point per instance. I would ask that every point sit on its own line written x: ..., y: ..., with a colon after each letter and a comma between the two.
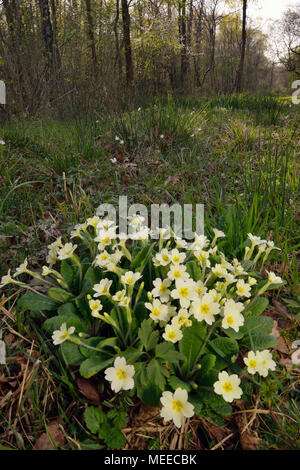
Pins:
x: 269, y: 9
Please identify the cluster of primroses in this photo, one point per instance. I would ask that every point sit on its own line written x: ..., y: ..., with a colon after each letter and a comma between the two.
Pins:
x: 175, y: 298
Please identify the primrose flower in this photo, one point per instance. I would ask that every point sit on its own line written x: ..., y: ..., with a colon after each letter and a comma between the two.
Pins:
x: 176, y: 407
x: 95, y: 306
x: 46, y: 271
x: 200, y: 288
x: 77, y: 229
x: 161, y: 289
x: 66, y: 251
x: 219, y: 271
x: 93, y: 221
x: 252, y: 362
x: 177, y: 272
x: 172, y: 333
x: 159, y: 311
x: 22, y: 268
x: 121, y: 298
x: 102, y: 288
x: 130, y: 278
x: 182, y: 319
x: 177, y: 257
x: 232, y: 315
x: 252, y: 281
x: 202, y: 256
x: 180, y: 243
x: 218, y: 233
x: 205, y: 308
x: 228, y: 386
x: 136, y: 220
x: 255, y: 240
x: 105, y: 224
x: 200, y: 242
x: 102, y: 259
x: 61, y: 335
x: 185, y: 292
x: 273, y: 279
x: 162, y: 258
x: 265, y: 362
x: 7, y: 279
x: 243, y: 289
x: 120, y: 376
x: 105, y: 237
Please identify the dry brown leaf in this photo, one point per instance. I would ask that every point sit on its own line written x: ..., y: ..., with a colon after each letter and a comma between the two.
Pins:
x: 44, y: 442
x: 281, y: 345
x: 88, y: 389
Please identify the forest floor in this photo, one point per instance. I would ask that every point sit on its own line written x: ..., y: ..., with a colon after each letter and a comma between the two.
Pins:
x: 239, y: 156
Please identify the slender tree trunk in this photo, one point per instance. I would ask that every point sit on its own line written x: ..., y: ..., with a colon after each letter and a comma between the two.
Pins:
x: 127, y: 42
x: 117, y: 42
x: 240, y: 72
x: 183, y: 35
x: 47, y: 33
x: 91, y: 36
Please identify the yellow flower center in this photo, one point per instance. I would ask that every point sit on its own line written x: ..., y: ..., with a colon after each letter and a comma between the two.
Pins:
x: 181, y: 319
x: 252, y: 363
x: 177, y: 405
x: 230, y: 320
x: 204, y: 309
x: 163, y: 288
x: 177, y: 274
x: 64, y: 335
x: 199, y: 290
x: 183, y: 292
x: 171, y: 335
x: 121, y: 374
x: 165, y: 258
x: 176, y: 259
x: 104, y: 257
x: 241, y: 290
x: 129, y: 280
x: 227, y: 387
x: 156, y: 312
x: 105, y: 240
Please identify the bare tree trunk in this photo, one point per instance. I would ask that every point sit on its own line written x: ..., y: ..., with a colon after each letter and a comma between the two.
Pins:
x: 240, y: 72
x: 117, y: 42
x: 47, y: 33
x: 91, y: 36
x: 127, y: 41
x: 183, y: 41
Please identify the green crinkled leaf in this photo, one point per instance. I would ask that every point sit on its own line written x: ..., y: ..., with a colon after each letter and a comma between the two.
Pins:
x: 118, y: 417
x: 67, y: 272
x: 54, y: 323
x: 158, y: 373
x: 224, y: 349
x: 94, y: 342
x: 207, y: 362
x: 192, y: 341
x: 147, y: 335
x: 94, y: 364
x: 141, y: 258
x: 94, y: 418
x: 114, y: 439
x: 86, y: 288
x: 71, y: 353
x: 257, y: 333
x: 131, y: 355
x: 256, y: 307
x: 215, y: 402
x: 147, y: 390
x: 67, y: 309
x: 59, y: 295
x: 175, y: 383
x: 168, y: 353
x: 32, y: 301
x: 194, y: 270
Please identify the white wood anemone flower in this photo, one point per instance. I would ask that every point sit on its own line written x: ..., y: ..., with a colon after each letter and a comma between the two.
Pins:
x: 121, y: 375
x: 176, y: 407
